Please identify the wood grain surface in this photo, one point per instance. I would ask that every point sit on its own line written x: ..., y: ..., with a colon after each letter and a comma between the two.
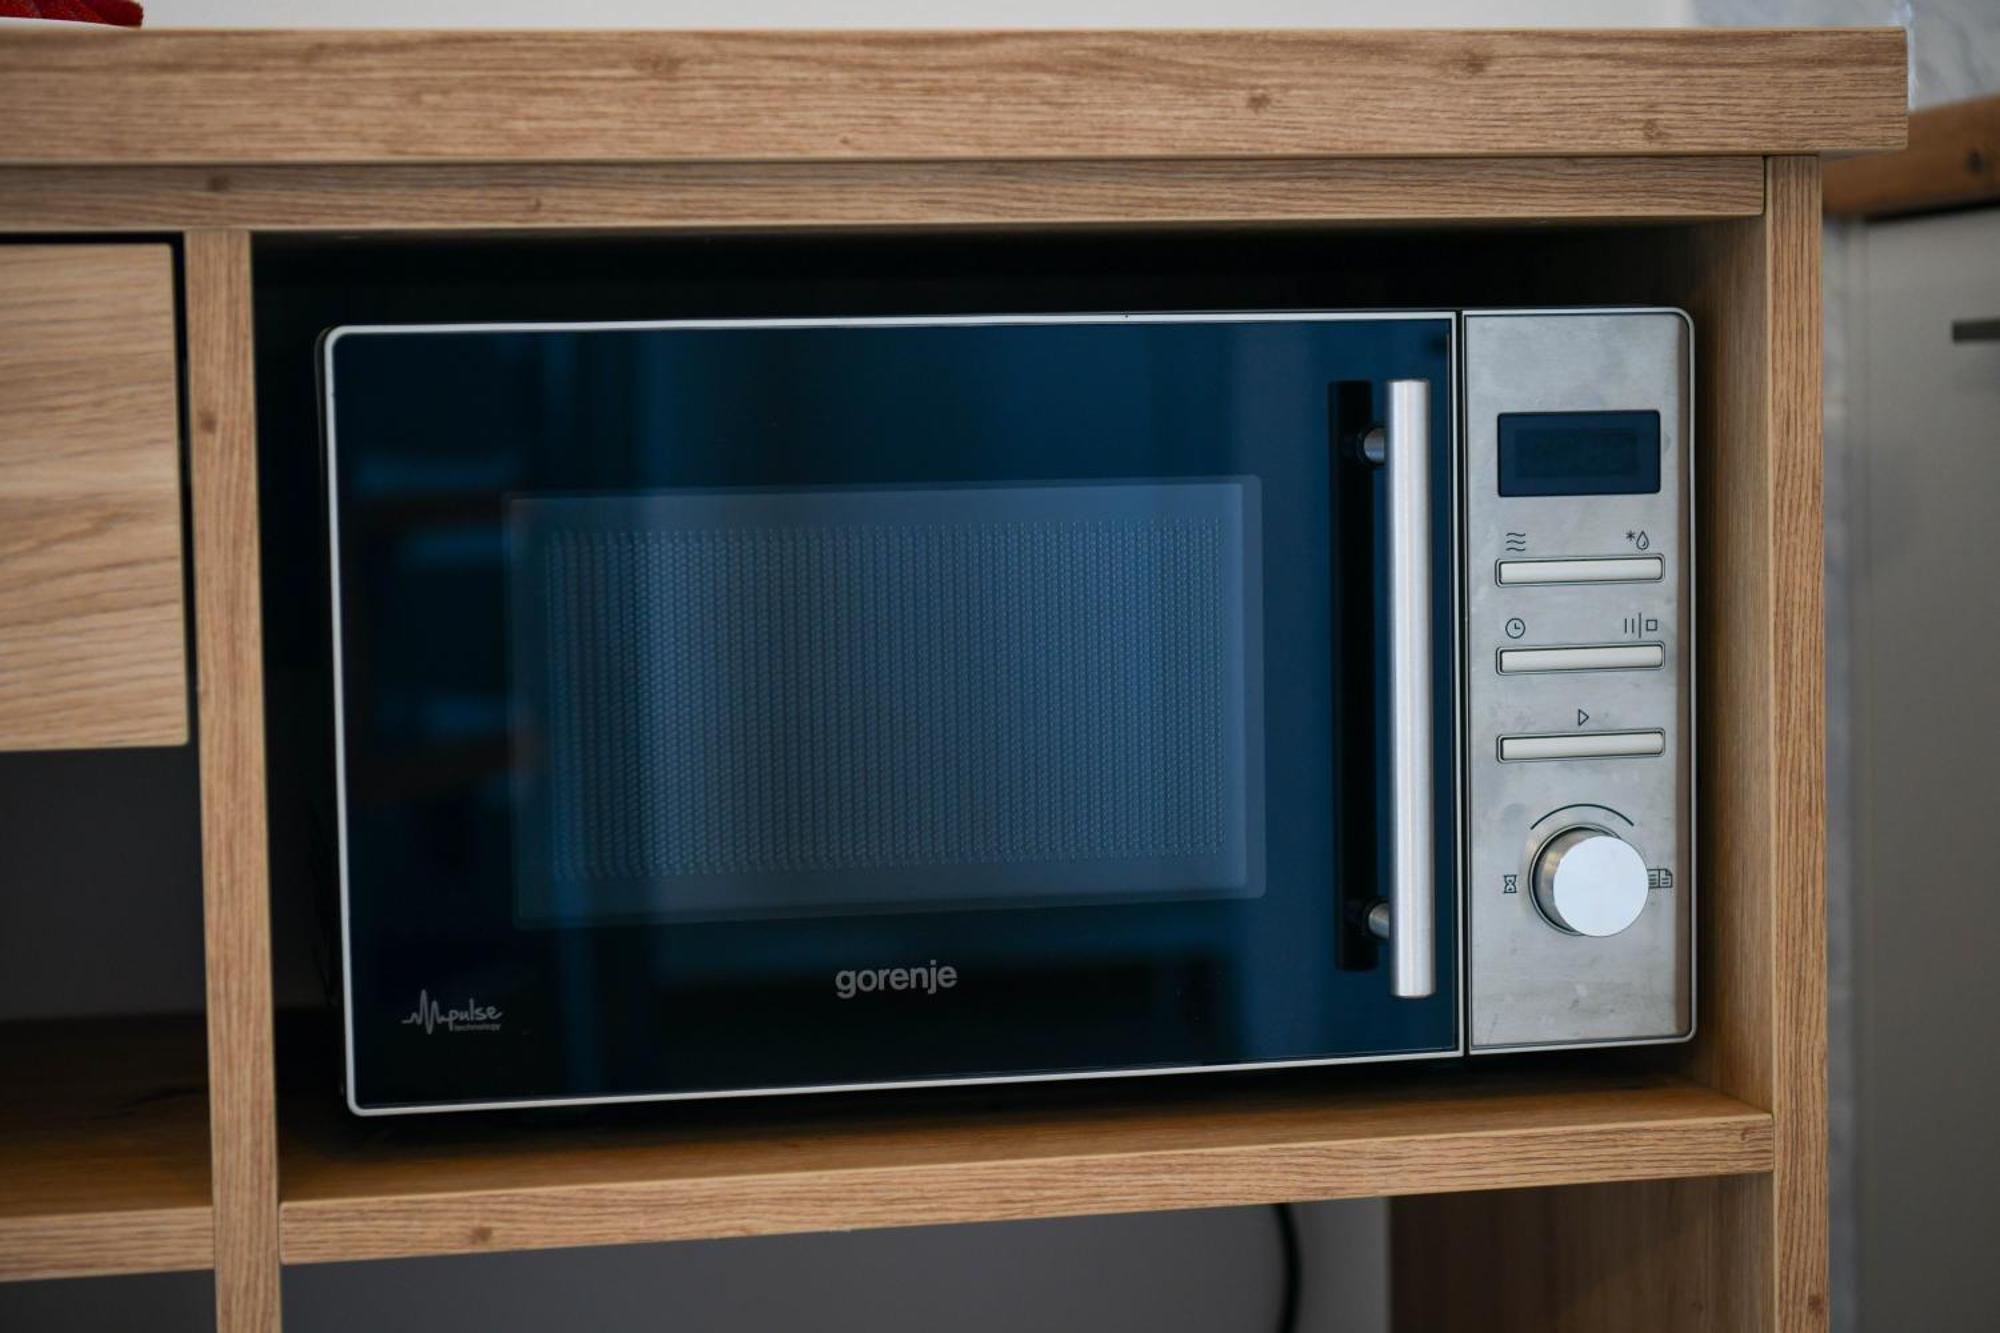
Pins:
x: 92, y: 633
x: 429, y: 1188
x: 103, y: 1148
x: 354, y: 96
x: 1796, y: 980
x: 827, y: 194
x: 229, y: 677
x: 1952, y: 161
x: 1608, y: 1258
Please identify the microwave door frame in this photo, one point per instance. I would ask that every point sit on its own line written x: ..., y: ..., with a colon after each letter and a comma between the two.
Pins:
x: 1453, y: 416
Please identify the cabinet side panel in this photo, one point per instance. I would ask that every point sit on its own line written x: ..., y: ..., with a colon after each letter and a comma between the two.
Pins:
x: 1798, y: 810
x: 230, y: 713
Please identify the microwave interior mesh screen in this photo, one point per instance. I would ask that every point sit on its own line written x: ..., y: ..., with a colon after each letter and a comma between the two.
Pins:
x: 747, y: 704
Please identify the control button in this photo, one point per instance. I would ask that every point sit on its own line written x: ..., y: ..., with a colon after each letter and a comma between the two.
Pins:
x: 1584, y: 745
x: 1588, y: 882
x: 1608, y: 569
x: 1586, y: 657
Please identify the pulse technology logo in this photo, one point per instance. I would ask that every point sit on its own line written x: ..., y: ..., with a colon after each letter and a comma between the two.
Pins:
x: 474, y: 1017
x: 929, y: 978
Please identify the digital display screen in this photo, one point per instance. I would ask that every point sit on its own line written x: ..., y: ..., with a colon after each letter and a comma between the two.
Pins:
x: 1580, y: 453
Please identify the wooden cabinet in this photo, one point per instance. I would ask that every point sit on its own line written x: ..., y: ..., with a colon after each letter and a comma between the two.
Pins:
x: 92, y: 648
x: 104, y: 1157
x: 1683, y: 1185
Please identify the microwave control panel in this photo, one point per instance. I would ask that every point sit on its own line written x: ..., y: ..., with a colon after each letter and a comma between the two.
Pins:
x: 1579, y: 678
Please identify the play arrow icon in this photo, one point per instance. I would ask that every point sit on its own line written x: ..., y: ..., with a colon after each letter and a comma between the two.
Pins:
x: 1581, y: 717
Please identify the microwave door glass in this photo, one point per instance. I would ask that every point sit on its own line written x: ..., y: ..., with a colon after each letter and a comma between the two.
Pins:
x: 737, y: 705
x: 786, y: 705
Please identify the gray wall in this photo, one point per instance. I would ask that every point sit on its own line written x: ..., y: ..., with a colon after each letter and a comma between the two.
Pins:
x: 100, y: 884
x: 1922, y: 462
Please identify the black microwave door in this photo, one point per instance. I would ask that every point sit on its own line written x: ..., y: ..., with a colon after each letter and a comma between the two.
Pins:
x: 779, y: 706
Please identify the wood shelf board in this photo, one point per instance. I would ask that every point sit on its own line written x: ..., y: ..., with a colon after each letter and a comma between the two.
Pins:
x: 103, y: 1148
x: 598, y: 196
x: 1952, y: 161
x: 355, y: 96
x: 381, y: 1189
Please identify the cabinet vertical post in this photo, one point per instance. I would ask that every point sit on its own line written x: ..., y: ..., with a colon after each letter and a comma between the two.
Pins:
x: 229, y: 700
x: 1798, y: 745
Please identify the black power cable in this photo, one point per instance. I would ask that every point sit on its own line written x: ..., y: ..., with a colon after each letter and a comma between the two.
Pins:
x: 1288, y: 1245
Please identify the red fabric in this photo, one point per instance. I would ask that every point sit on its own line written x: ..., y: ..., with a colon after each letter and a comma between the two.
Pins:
x: 123, y: 13
x: 119, y: 13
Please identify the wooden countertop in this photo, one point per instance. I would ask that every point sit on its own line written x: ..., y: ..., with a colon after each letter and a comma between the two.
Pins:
x: 324, y: 97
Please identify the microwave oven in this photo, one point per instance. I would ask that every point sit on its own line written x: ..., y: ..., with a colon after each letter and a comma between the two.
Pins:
x: 760, y: 706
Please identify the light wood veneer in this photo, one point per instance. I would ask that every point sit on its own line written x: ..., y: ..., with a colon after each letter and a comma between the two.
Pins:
x: 348, y: 96
x: 599, y: 195
x: 92, y: 637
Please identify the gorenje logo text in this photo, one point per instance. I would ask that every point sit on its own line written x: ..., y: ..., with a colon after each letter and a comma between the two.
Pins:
x: 929, y: 978
x: 474, y: 1017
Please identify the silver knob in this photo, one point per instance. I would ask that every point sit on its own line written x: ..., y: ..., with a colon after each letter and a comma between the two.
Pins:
x: 1588, y: 882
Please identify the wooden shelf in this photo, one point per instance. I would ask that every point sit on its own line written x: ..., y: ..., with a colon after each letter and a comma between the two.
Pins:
x: 380, y: 1189
x: 103, y: 1148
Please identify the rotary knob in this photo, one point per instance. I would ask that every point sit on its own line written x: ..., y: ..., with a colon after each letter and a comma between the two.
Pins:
x: 1588, y: 882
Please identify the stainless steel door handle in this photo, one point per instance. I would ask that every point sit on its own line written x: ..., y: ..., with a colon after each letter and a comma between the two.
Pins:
x: 1403, y: 450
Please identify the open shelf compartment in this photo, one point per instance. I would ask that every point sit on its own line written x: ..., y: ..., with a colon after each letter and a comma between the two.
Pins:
x: 104, y: 1164
x: 438, y: 1185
